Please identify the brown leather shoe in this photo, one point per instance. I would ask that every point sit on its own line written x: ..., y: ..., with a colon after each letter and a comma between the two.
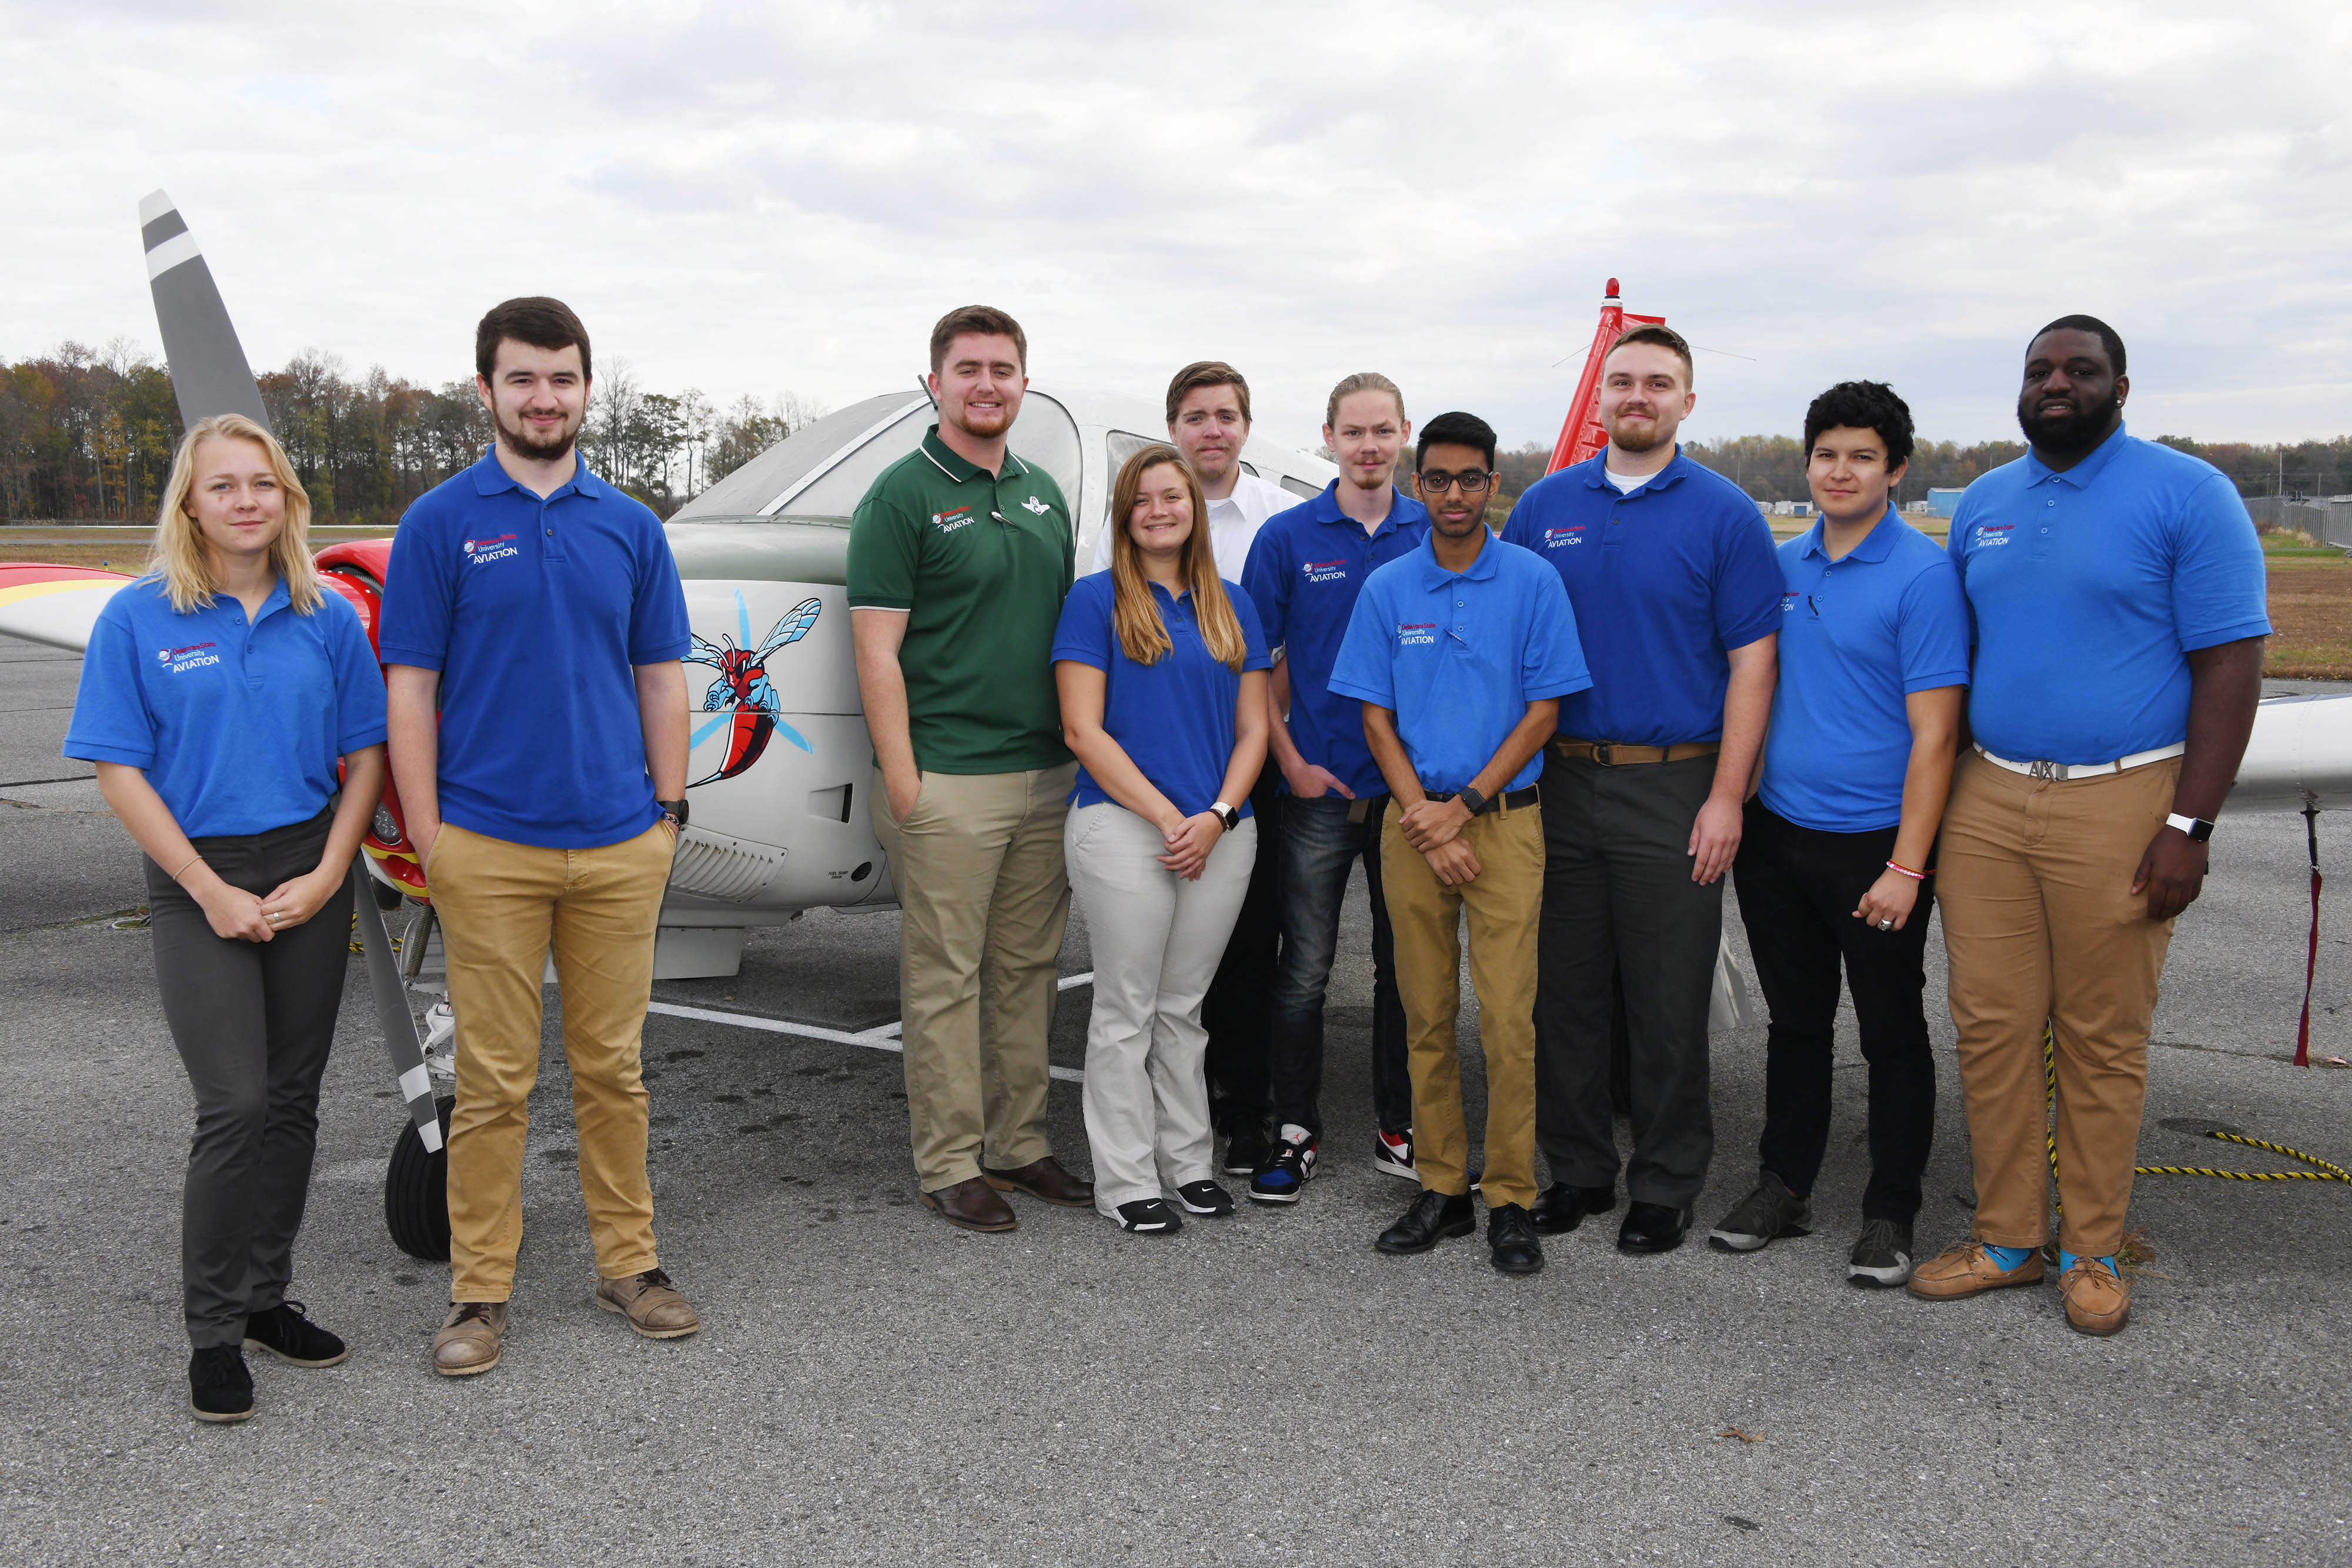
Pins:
x: 2098, y: 1300
x: 1046, y: 1180
x: 971, y: 1204
x: 650, y: 1303
x: 469, y: 1341
x: 1965, y: 1269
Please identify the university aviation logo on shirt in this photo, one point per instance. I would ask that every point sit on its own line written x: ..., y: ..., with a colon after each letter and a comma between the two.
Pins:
x: 479, y: 551
x: 1555, y: 538
x: 1324, y: 570
x: 1990, y: 534
x: 195, y: 656
x: 1788, y: 602
x: 1414, y: 634
x: 948, y: 522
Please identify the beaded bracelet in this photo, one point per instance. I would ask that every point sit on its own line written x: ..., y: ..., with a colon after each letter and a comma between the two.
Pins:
x: 1906, y: 870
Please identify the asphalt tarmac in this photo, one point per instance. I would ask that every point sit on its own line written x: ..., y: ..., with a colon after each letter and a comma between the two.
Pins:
x: 872, y: 1386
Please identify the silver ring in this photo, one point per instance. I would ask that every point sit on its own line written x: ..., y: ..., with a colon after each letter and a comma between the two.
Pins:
x: 1883, y: 925
x: 273, y: 919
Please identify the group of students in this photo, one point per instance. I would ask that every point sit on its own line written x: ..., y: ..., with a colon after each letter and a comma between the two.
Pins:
x: 1565, y: 733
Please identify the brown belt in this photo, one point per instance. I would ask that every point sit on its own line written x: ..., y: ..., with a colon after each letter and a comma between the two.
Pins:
x: 1617, y: 755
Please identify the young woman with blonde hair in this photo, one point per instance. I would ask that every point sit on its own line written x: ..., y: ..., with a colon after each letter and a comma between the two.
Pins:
x: 219, y: 694
x: 1161, y: 668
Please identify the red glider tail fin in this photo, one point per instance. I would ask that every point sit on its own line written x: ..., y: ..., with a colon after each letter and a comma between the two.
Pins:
x: 1581, y: 435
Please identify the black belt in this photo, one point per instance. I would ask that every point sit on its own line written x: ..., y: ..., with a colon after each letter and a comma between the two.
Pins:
x: 1514, y: 799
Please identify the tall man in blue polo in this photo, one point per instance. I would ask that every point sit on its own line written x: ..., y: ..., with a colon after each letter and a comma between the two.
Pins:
x: 1677, y: 597
x: 2120, y: 606
x: 1460, y: 653
x: 539, y: 610
x: 1836, y: 865
x: 1306, y: 569
x: 960, y: 556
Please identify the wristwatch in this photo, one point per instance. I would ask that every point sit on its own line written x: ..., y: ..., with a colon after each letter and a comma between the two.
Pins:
x: 1226, y: 816
x: 674, y: 810
x: 2197, y: 829
x: 1471, y: 802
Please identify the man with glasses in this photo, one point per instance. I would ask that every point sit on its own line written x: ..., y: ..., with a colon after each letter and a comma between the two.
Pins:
x: 1208, y: 421
x: 1460, y: 653
x: 1677, y: 593
x: 1304, y: 573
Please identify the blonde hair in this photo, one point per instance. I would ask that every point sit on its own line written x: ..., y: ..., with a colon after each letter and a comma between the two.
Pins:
x: 1361, y: 382
x: 179, y: 557
x: 1135, y: 614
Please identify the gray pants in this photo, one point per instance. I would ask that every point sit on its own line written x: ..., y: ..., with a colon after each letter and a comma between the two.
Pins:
x: 1157, y: 941
x: 1619, y: 899
x: 253, y: 1021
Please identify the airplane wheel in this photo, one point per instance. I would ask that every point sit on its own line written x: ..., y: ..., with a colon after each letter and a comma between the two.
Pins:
x: 416, y: 1192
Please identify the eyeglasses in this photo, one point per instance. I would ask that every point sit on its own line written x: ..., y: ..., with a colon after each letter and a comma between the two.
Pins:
x: 1437, y: 481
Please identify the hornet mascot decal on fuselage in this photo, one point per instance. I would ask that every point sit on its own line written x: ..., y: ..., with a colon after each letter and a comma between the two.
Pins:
x: 742, y: 695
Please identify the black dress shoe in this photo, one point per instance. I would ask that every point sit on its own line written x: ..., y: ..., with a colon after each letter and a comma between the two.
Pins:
x: 1433, y: 1218
x: 1511, y: 1233
x: 1563, y: 1208
x: 1652, y: 1228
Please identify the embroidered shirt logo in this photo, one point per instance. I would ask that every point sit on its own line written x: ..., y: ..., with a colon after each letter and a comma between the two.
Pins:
x: 1788, y: 602
x: 1036, y: 506
x: 1573, y: 533
x: 1990, y: 534
x: 1412, y: 633
x: 948, y: 522
x: 1324, y: 570
x: 195, y: 656
x: 498, y: 548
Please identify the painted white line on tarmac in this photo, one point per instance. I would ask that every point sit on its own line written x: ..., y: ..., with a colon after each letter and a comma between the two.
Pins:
x: 882, y: 1037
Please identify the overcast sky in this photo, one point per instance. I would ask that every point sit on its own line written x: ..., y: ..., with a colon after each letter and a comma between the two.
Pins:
x: 755, y: 199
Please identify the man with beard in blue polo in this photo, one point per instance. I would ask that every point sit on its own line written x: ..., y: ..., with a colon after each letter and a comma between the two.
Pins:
x: 1677, y: 596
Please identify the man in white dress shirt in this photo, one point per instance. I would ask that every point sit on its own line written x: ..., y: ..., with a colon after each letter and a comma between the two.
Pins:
x: 1209, y: 420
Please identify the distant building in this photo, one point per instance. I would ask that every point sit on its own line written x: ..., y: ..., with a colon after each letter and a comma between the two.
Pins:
x: 1942, y: 503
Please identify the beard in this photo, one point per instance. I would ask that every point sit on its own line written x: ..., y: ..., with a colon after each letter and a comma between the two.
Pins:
x: 522, y: 444
x: 985, y: 424
x: 1629, y: 437
x: 2068, y: 435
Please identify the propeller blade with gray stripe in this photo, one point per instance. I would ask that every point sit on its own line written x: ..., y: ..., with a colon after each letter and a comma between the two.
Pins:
x: 209, y: 372
x: 394, y: 1018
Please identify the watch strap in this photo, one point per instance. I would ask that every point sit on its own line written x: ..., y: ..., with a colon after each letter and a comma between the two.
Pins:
x: 2197, y: 829
x: 1471, y: 799
x: 1227, y: 816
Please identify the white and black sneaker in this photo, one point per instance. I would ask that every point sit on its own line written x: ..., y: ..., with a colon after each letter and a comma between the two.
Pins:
x: 1882, y: 1255
x: 1204, y: 1197
x: 1393, y: 1154
x: 1287, y: 1169
x: 1149, y: 1216
x: 1764, y: 1215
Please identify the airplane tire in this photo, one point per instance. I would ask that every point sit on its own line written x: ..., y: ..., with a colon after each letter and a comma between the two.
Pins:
x: 416, y: 1192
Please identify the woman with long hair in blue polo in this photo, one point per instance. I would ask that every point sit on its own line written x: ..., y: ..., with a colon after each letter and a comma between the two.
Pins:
x: 1161, y: 672
x: 218, y: 694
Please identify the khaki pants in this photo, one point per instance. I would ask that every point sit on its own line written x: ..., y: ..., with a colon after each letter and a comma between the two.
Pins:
x: 2042, y: 925
x: 978, y: 867
x: 502, y: 905
x: 1505, y: 902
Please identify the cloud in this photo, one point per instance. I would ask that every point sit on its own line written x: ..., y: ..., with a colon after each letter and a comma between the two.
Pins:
x: 750, y: 200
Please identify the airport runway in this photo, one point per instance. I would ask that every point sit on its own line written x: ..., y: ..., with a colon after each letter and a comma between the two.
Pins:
x: 874, y: 1387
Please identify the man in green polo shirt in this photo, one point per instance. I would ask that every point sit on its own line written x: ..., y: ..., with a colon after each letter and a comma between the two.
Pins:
x: 958, y: 559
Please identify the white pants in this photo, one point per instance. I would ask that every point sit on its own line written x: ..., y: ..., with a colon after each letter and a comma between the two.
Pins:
x: 1158, y: 940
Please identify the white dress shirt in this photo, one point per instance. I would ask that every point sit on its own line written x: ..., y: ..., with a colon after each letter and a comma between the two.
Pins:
x: 1234, y: 523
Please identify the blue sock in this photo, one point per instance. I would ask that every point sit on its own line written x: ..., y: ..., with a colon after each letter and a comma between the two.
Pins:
x: 2009, y: 1258
x: 2066, y: 1261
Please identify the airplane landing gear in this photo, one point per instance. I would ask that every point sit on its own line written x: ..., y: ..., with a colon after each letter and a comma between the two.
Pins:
x: 416, y: 1192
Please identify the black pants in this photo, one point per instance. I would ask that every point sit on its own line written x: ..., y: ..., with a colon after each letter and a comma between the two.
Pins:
x: 1798, y: 888
x: 1238, y: 1011
x: 253, y: 1021
x: 1620, y: 904
x: 1320, y: 840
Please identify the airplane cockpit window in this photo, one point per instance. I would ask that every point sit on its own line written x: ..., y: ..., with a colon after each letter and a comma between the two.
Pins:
x: 1300, y: 488
x: 1048, y: 436
x: 836, y: 492
x: 1249, y: 469
x: 1119, y: 445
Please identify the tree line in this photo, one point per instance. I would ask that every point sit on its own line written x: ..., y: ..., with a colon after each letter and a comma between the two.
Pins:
x: 87, y: 434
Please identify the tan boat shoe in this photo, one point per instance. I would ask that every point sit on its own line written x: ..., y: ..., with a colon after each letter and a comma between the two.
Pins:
x: 2098, y: 1300
x: 1965, y: 1269
x: 650, y: 1303
x: 468, y: 1340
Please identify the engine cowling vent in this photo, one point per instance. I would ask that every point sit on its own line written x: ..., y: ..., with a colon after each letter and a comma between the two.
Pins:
x: 713, y: 865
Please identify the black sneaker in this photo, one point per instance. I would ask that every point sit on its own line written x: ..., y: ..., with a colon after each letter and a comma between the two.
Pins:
x: 1247, y: 1150
x: 1149, y: 1216
x: 1204, y: 1197
x: 219, y: 1386
x: 1764, y: 1215
x: 287, y: 1333
x: 1287, y: 1169
x: 1882, y: 1255
x: 1393, y: 1154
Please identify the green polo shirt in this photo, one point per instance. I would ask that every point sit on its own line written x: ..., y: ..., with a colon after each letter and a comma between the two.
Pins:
x: 981, y: 564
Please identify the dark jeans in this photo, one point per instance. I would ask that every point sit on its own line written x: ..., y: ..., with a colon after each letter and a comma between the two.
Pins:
x: 253, y: 1021
x: 1798, y: 888
x: 1238, y: 1011
x: 1620, y: 904
x: 1319, y: 844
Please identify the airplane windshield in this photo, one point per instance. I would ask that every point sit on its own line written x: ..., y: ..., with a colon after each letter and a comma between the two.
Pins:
x: 1043, y: 435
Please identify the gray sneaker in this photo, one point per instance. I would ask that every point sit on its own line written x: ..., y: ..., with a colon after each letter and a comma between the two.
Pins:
x: 1766, y: 1215
x: 1882, y: 1255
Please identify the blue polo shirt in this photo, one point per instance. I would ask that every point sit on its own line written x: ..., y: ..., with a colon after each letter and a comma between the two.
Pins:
x: 1857, y: 636
x: 1457, y: 657
x: 1306, y: 568
x: 2089, y: 589
x: 1665, y: 581
x: 1174, y: 718
x: 534, y: 613
x: 238, y: 726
